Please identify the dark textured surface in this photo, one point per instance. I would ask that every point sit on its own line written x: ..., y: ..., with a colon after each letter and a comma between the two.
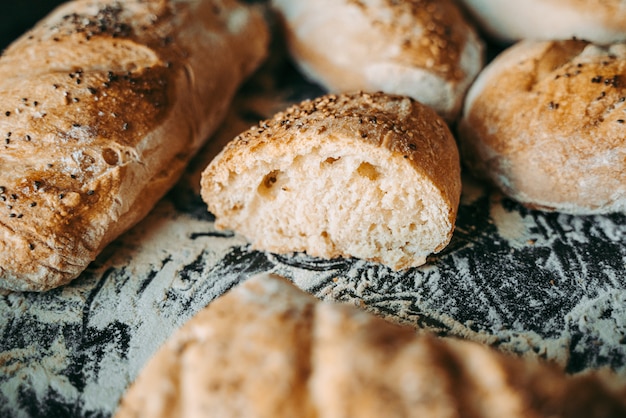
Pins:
x: 528, y: 282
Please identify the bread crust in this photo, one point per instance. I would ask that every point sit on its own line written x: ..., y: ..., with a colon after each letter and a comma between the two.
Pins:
x: 396, y: 129
x: 103, y: 103
x: 267, y: 349
x: 599, y: 21
x: 424, y: 49
x: 545, y: 123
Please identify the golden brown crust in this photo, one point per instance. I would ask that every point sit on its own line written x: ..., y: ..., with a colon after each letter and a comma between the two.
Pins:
x: 437, y: 47
x: 247, y: 355
x: 267, y: 349
x: 103, y: 103
x: 421, y: 48
x: 545, y: 122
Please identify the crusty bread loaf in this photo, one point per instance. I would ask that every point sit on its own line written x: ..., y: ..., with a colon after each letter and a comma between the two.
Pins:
x: 545, y: 122
x: 424, y: 49
x: 600, y: 21
x: 372, y: 176
x: 267, y: 349
x: 102, y: 105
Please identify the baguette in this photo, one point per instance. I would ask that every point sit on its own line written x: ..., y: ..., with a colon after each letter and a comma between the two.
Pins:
x: 424, y: 49
x: 103, y: 103
x: 545, y: 122
x: 372, y: 176
x: 267, y: 349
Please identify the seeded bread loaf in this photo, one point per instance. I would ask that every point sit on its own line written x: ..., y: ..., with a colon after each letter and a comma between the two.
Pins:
x: 267, y: 349
x: 545, y: 122
x: 600, y: 21
x: 424, y: 49
x: 372, y: 176
x: 102, y: 104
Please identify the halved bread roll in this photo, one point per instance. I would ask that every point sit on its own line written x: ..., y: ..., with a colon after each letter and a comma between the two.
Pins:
x: 423, y: 49
x: 371, y: 176
x: 102, y: 105
x: 267, y: 349
x: 545, y: 122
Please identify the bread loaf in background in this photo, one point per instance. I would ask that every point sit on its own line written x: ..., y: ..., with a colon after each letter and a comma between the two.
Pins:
x: 600, y: 21
x: 424, y: 49
x: 267, y: 349
x: 545, y: 122
x: 372, y: 176
x: 102, y: 105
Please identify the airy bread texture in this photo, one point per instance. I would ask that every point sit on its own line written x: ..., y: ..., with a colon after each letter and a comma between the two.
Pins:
x: 102, y: 104
x: 600, y: 21
x: 546, y: 122
x: 372, y: 176
x: 268, y: 350
x: 424, y: 49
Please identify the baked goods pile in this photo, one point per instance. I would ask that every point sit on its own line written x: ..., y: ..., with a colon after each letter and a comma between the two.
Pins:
x: 369, y: 174
x: 267, y: 349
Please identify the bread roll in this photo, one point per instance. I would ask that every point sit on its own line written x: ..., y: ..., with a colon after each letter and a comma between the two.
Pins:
x: 600, y: 21
x: 267, y: 349
x: 102, y: 104
x: 420, y: 48
x: 545, y: 122
x: 372, y: 176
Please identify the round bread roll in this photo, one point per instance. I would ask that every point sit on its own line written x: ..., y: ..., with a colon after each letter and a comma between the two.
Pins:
x: 371, y: 176
x: 546, y: 122
x: 266, y: 349
x: 600, y: 21
x: 421, y: 48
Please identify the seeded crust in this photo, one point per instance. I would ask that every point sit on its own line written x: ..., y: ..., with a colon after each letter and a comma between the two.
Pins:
x: 102, y: 105
x: 267, y: 349
x: 421, y: 48
x: 546, y: 122
x: 600, y: 21
x: 372, y: 176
